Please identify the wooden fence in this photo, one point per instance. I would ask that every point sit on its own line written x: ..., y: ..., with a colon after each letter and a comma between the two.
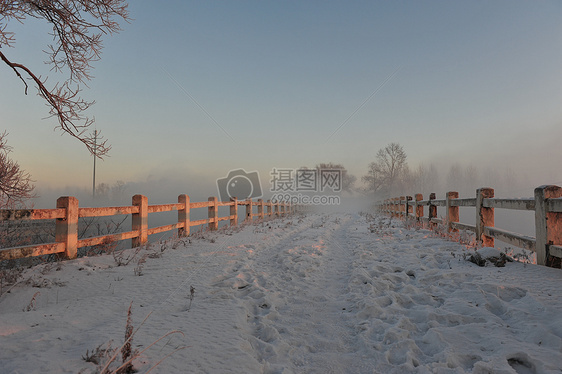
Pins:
x: 68, y: 212
x: 547, y: 205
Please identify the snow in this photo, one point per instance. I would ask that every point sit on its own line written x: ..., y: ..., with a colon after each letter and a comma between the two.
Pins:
x: 322, y: 293
x: 488, y: 252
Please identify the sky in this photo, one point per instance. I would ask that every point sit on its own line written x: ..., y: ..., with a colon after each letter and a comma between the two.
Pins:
x: 190, y: 90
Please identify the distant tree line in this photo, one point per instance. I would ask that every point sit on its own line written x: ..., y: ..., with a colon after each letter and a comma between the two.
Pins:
x: 389, y: 175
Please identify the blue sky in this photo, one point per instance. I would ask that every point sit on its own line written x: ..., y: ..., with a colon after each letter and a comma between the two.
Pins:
x: 479, y: 83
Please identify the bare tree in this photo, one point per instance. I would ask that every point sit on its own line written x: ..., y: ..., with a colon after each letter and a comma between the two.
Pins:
x: 16, y: 185
x: 426, y: 179
x: 454, y: 177
x: 348, y: 180
x: 78, y: 26
x: 111, y: 193
x: 373, y: 178
x: 388, y: 171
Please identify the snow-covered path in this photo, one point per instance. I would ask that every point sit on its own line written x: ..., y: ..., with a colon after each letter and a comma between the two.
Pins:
x: 323, y: 293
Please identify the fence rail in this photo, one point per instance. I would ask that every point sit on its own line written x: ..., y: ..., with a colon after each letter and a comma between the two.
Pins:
x: 68, y: 212
x: 547, y: 205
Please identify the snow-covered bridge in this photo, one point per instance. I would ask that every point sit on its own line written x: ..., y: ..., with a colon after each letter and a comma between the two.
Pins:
x: 321, y: 293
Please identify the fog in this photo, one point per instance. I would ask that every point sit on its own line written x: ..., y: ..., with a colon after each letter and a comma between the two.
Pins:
x: 164, y: 187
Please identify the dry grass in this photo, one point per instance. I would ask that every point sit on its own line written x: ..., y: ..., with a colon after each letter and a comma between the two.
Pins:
x: 31, y: 305
x: 126, y: 350
x: 105, y: 356
x: 9, y: 278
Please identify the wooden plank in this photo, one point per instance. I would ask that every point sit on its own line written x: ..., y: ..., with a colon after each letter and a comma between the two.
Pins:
x: 66, y: 230
x: 432, y: 209
x: 224, y: 218
x: 513, y: 238
x: 436, y: 220
x: 452, y: 211
x: 470, y: 201
x: 184, y: 215
x: 249, y: 210
x: 234, y: 212
x: 30, y: 214
x: 108, y: 211
x: 485, y: 217
x: 164, y: 207
x: 96, y: 240
x: 463, y: 226
x: 159, y: 229
x: 418, y: 210
x: 31, y: 251
x: 213, y: 213
x: 199, y: 222
x: 548, y: 225
x: 424, y: 202
x: 554, y: 204
x: 555, y: 250
x: 439, y: 202
x: 225, y: 203
x: 201, y: 204
x: 139, y: 221
x: 516, y: 204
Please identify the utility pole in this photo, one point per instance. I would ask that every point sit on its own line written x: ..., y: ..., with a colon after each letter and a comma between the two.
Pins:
x: 95, y: 156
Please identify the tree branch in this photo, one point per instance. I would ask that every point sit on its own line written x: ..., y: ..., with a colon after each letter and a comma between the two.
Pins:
x: 78, y: 26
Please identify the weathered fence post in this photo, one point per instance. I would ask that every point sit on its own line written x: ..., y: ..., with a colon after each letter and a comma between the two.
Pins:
x: 484, y: 216
x: 388, y: 206
x: 183, y: 215
x: 140, y: 220
x: 249, y: 208
x: 66, y: 229
x: 268, y: 208
x: 419, y: 207
x: 409, y: 207
x: 452, y: 211
x: 234, y: 211
x: 548, y: 225
x: 432, y: 209
x: 277, y: 209
x: 213, y: 213
x: 260, y: 209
